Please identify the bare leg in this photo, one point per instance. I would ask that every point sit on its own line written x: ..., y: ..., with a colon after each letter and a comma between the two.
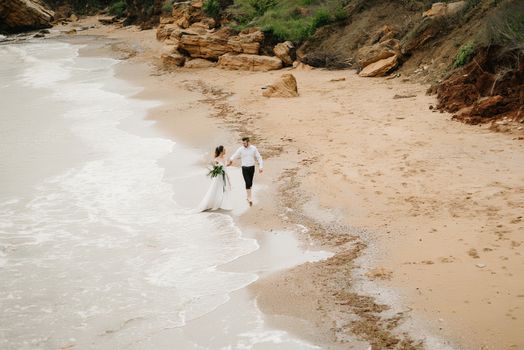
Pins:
x: 249, y: 198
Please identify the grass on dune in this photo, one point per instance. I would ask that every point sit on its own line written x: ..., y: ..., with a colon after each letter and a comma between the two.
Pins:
x: 293, y: 20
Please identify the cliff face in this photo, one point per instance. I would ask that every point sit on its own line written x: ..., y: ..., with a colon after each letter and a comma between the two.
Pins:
x: 23, y: 15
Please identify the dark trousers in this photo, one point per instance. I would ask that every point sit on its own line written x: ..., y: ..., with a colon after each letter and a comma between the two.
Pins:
x: 248, y: 172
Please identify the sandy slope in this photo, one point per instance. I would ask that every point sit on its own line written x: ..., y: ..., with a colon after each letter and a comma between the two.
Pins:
x: 365, y: 162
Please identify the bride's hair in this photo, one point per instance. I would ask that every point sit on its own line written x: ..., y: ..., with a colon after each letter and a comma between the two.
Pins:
x: 219, y: 150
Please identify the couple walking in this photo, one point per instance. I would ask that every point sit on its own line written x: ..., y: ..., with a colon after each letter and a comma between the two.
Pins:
x: 218, y: 195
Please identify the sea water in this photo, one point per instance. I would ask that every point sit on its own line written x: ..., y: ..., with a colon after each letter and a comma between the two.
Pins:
x: 92, y: 251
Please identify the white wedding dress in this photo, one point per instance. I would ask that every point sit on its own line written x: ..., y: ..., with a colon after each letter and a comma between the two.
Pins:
x: 218, y: 195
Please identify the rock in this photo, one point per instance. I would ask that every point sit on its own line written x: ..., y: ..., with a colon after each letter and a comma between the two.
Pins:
x: 164, y: 31
x: 199, y: 63
x: 286, y: 86
x: 166, y: 20
x: 106, y: 20
x: 249, y: 62
x: 213, y: 45
x: 169, y: 49
x: 379, y: 68
x: 203, y: 46
x: 71, y: 31
x: 383, y: 34
x: 24, y: 15
x: 172, y: 60
x: 488, y: 106
x: 286, y: 52
x: 480, y: 266
x: 442, y: 9
x: 73, y: 18
x: 184, y: 13
x: 376, y: 52
x: 301, y: 66
x: 38, y: 35
x: 246, y: 42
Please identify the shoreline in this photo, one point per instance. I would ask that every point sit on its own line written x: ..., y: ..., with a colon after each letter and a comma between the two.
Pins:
x: 234, y: 109
x: 198, y: 122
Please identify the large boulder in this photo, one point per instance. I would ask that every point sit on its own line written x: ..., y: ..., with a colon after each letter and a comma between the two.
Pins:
x: 246, y: 42
x: 203, y: 46
x: 442, y: 9
x: 379, y: 68
x: 249, y: 62
x: 24, y: 15
x: 286, y: 52
x: 286, y: 86
x: 215, y: 44
x: 373, y: 53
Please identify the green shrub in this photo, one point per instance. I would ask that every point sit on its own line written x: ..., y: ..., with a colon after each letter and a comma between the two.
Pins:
x: 118, y: 8
x: 320, y: 18
x: 464, y: 54
x: 167, y: 7
x: 293, y: 20
x: 295, y: 30
x: 211, y: 8
x: 262, y: 6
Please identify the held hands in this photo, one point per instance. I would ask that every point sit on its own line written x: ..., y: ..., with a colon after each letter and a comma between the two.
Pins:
x: 260, y: 171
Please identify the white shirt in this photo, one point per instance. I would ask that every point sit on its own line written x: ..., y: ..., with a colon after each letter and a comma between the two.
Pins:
x: 248, y: 155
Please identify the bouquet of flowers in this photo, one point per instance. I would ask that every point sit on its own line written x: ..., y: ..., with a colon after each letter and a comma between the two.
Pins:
x: 216, y: 170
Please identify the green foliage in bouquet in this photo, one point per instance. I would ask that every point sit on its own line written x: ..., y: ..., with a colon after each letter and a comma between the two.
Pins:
x: 216, y: 170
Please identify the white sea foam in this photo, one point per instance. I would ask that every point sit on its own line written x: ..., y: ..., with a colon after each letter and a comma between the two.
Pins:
x: 99, y: 254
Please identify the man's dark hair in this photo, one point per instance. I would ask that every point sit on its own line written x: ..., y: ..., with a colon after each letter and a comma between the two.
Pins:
x: 245, y: 139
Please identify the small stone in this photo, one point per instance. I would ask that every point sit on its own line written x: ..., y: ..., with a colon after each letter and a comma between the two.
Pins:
x: 480, y: 265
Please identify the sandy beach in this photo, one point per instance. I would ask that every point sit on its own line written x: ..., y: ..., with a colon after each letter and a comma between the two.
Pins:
x: 423, y: 216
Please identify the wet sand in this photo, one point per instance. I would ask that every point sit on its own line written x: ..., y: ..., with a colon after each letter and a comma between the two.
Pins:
x: 424, y: 214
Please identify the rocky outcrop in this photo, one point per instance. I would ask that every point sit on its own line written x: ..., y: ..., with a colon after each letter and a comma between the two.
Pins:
x: 249, y: 62
x: 190, y: 33
x: 379, y: 68
x: 286, y: 86
x: 23, y: 15
x: 215, y: 44
x: 443, y: 9
x: 286, y: 52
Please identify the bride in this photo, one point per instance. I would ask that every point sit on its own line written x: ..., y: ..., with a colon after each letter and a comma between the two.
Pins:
x: 218, y: 195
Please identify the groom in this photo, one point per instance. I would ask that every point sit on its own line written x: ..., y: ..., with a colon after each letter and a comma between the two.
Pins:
x: 248, y: 154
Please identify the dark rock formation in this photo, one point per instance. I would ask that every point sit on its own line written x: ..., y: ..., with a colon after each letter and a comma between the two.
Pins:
x: 24, y: 15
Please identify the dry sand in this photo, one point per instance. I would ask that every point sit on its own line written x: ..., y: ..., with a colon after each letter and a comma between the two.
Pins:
x: 424, y: 214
